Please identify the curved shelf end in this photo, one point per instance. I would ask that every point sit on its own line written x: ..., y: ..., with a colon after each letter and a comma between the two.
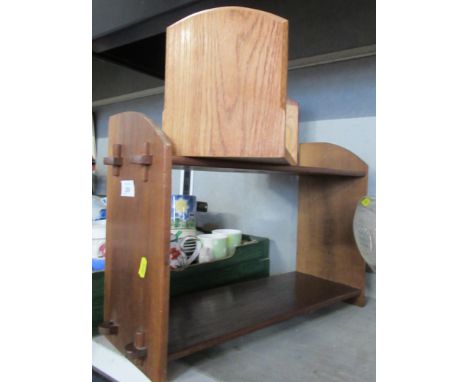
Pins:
x: 329, y: 155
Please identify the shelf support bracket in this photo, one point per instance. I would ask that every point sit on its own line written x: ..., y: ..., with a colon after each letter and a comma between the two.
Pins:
x: 116, y: 161
x: 145, y: 160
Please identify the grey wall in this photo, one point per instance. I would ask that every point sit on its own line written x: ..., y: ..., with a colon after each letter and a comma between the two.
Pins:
x: 337, y: 105
x: 151, y: 106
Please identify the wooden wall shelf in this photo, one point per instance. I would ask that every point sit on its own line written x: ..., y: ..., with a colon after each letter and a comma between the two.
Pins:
x: 137, y: 304
x: 204, y: 319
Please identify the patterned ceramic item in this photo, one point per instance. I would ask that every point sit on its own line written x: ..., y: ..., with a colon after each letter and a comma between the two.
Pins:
x: 214, y: 245
x: 364, y: 230
x: 183, y: 209
x: 183, y: 250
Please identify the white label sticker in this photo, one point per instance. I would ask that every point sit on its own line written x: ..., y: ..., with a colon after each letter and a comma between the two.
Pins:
x: 127, y: 188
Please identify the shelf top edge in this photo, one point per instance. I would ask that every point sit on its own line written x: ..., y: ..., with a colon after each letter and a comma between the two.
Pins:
x: 225, y: 165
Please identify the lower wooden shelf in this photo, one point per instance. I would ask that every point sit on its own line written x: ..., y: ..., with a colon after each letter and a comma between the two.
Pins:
x: 204, y: 319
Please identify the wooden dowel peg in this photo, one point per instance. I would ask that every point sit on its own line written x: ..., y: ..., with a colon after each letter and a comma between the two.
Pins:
x: 139, y: 340
x: 116, y: 160
x: 144, y: 160
x: 137, y: 349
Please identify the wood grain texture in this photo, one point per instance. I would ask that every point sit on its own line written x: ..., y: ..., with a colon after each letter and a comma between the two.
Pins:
x: 325, y: 241
x: 137, y: 227
x: 326, y: 246
x: 326, y: 206
x: 225, y: 84
x: 292, y: 131
x: 204, y: 319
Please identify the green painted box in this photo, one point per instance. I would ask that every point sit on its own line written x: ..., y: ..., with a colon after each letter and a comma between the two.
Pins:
x: 98, y: 299
x: 250, y: 261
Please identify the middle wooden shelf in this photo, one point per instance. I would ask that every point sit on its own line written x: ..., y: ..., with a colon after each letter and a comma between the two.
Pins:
x: 315, y: 158
x: 203, y: 164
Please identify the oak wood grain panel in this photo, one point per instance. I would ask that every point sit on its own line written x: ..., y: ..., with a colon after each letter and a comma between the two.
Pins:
x: 225, y: 84
x: 136, y: 227
x: 292, y: 130
x: 325, y: 241
x: 203, y: 319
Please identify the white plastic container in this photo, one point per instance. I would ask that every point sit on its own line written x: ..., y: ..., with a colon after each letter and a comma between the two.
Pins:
x: 99, y: 238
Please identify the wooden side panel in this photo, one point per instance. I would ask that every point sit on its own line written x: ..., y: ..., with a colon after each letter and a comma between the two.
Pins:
x: 292, y: 131
x: 139, y: 227
x: 225, y: 84
x: 325, y: 240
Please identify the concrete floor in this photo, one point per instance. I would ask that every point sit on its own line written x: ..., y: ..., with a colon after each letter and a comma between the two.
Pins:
x: 335, y: 344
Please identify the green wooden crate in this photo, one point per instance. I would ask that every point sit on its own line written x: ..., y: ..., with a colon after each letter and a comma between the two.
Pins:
x: 98, y: 299
x: 250, y: 261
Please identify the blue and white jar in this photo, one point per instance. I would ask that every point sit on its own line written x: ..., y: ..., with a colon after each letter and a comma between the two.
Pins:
x: 183, y: 208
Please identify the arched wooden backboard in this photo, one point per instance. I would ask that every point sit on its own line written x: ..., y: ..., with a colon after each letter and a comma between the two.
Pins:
x: 226, y: 83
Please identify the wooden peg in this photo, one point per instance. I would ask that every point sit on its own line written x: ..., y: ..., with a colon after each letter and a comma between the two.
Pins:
x: 137, y: 349
x: 116, y: 161
x: 145, y: 160
x: 139, y: 340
